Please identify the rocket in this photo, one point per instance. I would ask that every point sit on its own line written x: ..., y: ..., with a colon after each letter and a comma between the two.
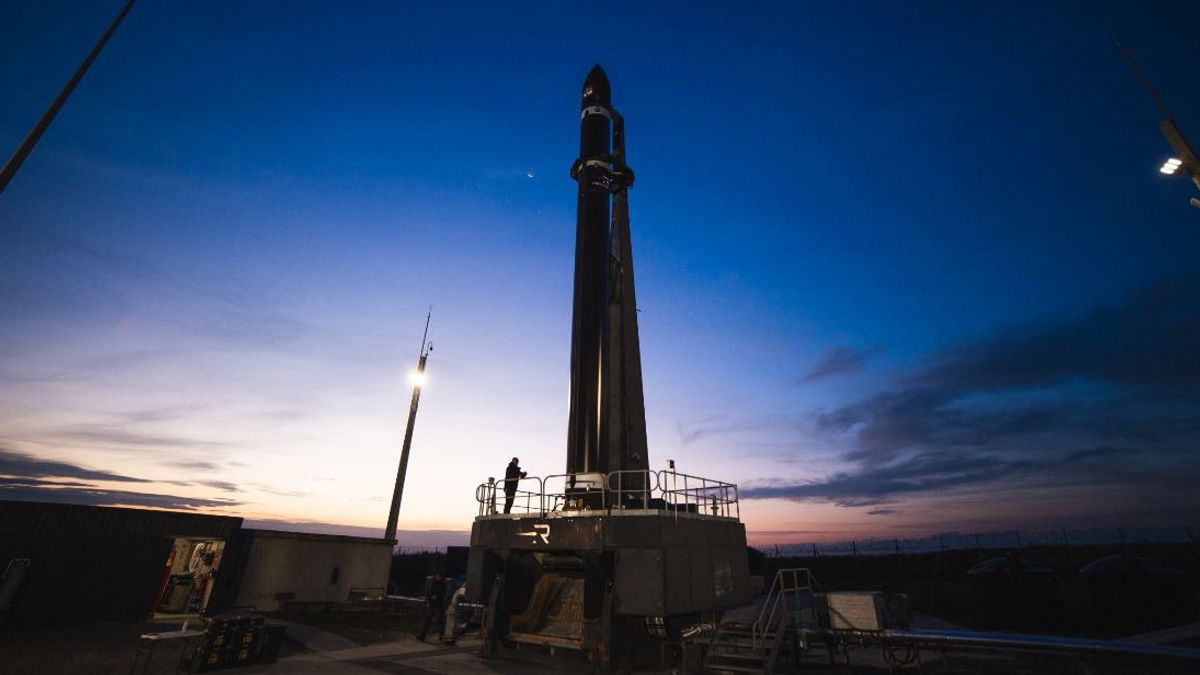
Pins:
x: 606, y: 428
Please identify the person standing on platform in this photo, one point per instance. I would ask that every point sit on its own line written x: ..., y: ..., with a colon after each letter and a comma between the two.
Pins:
x: 512, y: 474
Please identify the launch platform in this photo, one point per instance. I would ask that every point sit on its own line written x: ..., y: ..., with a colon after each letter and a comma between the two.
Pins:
x: 609, y: 560
x: 615, y: 577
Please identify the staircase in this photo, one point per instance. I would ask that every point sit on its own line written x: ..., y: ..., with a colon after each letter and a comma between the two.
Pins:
x: 755, y: 647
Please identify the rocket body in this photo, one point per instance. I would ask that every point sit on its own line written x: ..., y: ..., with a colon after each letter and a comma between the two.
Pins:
x: 593, y: 246
x: 607, y: 423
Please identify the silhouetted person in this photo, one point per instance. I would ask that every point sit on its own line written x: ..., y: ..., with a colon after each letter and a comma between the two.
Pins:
x: 435, y: 600
x: 511, y: 475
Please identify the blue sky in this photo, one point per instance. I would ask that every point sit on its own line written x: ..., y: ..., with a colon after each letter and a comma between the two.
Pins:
x: 900, y: 266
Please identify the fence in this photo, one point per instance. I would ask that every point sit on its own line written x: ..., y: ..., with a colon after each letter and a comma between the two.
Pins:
x: 992, y: 540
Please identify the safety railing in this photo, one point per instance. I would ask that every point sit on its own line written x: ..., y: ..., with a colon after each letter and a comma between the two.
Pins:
x: 492, y: 496
x: 665, y: 490
x: 574, y: 491
x: 696, y: 494
x: 632, y: 488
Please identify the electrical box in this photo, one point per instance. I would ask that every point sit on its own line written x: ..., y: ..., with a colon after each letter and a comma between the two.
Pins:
x: 855, y: 610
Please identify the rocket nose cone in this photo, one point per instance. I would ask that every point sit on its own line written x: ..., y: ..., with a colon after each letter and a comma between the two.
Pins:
x: 595, y: 88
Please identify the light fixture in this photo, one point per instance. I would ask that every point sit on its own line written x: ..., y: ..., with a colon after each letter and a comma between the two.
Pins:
x: 1170, y: 166
x: 416, y: 378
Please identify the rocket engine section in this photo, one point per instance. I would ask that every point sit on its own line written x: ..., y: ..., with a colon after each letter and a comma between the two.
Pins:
x: 608, y: 559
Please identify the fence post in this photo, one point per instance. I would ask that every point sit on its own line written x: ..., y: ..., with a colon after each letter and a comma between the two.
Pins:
x: 941, y: 571
x: 1070, y: 549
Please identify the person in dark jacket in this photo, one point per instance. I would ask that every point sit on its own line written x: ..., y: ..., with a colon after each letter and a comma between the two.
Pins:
x: 435, y: 600
x: 511, y: 475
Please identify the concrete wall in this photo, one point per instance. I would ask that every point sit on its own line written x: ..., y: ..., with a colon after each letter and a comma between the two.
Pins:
x: 288, y: 566
x: 93, y: 563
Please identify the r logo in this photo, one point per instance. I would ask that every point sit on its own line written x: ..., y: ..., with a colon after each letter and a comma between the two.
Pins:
x: 540, y: 531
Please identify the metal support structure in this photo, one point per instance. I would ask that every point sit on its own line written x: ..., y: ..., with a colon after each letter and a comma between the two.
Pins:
x: 18, y: 157
x: 1185, y: 163
x: 398, y: 493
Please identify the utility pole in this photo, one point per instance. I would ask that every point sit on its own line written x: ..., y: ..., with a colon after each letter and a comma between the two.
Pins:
x: 1185, y: 161
x: 18, y: 157
x: 418, y: 379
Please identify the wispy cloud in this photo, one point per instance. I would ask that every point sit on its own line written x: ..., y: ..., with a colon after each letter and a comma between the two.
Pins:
x: 100, y: 497
x: 1064, y: 401
x: 838, y: 360
x: 27, y: 478
x: 19, y: 465
x: 108, y: 436
x: 1148, y: 338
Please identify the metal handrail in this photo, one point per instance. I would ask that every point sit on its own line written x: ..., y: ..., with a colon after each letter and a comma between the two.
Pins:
x: 780, y: 588
x: 677, y: 491
x: 559, y: 499
x: 643, y: 494
x: 719, y: 497
x: 523, y: 502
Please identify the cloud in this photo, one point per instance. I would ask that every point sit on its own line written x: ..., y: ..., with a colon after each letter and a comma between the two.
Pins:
x: 229, y: 309
x: 837, y: 361
x: 104, y: 435
x: 25, y: 478
x: 219, y: 485
x: 1056, y: 403
x: 691, y: 431
x: 1148, y: 338
x: 925, y: 472
x: 18, y: 465
x: 100, y: 497
x: 1103, y: 451
x: 880, y: 511
x: 192, y: 465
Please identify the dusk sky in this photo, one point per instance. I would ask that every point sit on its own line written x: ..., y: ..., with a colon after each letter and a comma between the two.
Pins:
x: 903, y: 268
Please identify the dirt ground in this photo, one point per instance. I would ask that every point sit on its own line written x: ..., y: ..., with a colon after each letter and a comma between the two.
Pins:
x: 361, y: 627
x: 106, y: 648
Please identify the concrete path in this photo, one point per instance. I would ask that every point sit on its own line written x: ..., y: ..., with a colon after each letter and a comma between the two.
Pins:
x: 402, y: 656
x: 314, y: 638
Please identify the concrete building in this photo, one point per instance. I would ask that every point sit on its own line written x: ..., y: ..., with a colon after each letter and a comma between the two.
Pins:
x: 275, y: 568
x: 66, y: 563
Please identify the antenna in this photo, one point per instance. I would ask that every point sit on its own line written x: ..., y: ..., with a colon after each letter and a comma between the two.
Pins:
x: 424, y: 337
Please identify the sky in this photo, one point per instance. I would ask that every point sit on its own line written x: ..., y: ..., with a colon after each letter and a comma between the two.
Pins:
x: 903, y: 268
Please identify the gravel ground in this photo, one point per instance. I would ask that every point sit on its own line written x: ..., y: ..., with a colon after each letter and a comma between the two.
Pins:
x: 102, y: 648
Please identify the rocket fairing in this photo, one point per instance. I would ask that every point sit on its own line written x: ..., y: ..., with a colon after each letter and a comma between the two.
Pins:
x: 606, y: 427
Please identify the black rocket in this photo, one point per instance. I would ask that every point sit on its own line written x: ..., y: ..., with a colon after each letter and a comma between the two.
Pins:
x: 606, y: 430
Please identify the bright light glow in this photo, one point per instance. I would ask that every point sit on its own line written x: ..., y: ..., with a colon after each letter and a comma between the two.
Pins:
x: 1174, y: 162
x: 416, y: 379
x: 1167, y: 169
